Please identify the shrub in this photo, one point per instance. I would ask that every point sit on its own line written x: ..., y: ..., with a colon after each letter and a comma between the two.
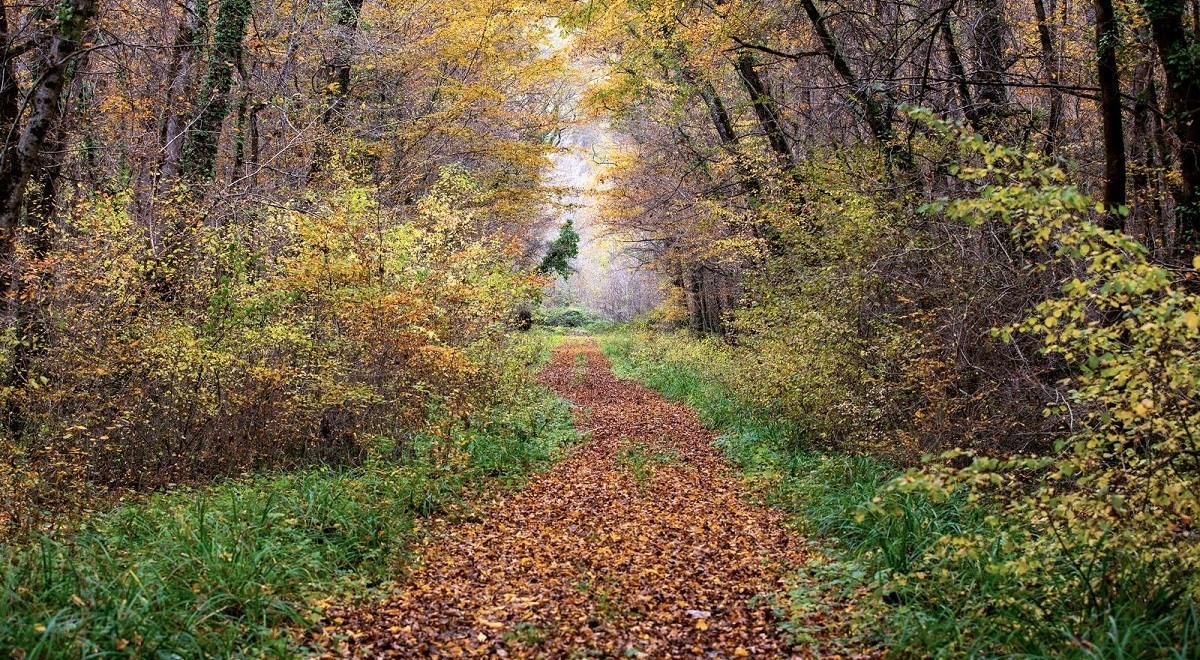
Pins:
x: 568, y: 317
x: 247, y: 349
x: 1091, y: 543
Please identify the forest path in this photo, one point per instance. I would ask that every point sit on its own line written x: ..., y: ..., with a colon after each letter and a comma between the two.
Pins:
x: 638, y: 542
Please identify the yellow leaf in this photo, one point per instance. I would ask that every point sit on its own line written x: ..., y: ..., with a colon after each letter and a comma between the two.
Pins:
x: 1192, y: 321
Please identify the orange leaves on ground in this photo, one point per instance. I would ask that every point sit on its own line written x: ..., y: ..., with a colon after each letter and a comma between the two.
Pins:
x: 638, y: 544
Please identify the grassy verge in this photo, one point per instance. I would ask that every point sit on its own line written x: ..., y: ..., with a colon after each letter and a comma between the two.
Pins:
x: 824, y: 492
x: 226, y: 570
x: 891, y: 573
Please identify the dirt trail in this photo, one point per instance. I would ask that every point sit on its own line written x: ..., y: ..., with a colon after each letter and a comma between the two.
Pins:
x: 638, y: 542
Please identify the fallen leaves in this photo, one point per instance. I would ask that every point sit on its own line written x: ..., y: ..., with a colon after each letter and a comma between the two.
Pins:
x: 592, y: 558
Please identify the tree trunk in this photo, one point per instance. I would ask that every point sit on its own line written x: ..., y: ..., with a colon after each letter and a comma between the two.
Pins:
x: 749, y: 182
x: 19, y: 161
x: 991, y: 69
x: 338, y: 88
x: 765, y: 109
x: 1051, y: 64
x: 200, y: 148
x: 1108, y: 75
x: 1180, y: 57
x: 20, y: 157
x: 872, y: 102
x: 959, y: 72
x: 189, y: 43
x: 1145, y: 214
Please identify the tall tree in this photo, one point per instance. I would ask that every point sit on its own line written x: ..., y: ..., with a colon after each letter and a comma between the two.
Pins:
x: 21, y: 159
x: 229, y: 30
x: 991, y: 64
x: 1108, y: 75
x: 1174, y: 34
x: 765, y: 109
x: 189, y: 44
x: 24, y: 140
x: 961, y: 82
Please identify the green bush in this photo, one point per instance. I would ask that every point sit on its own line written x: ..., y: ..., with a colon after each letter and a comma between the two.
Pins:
x: 569, y: 317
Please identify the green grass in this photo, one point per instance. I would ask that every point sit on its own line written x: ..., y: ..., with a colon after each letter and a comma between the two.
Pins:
x: 227, y: 570
x: 640, y: 460
x: 880, y: 544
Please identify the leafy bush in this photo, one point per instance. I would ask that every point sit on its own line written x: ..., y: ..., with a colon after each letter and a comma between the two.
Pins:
x: 569, y: 317
x: 1096, y: 534
x: 250, y: 348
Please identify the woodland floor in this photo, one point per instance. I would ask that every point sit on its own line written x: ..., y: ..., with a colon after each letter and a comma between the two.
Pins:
x: 639, y: 542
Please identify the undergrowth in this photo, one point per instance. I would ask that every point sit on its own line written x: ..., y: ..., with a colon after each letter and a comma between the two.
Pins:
x: 227, y: 570
x: 885, y: 578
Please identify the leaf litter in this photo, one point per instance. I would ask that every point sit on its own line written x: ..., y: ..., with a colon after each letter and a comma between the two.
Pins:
x: 593, y: 558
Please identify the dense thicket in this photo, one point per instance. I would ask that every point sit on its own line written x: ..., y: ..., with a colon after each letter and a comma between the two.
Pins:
x: 243, y: 234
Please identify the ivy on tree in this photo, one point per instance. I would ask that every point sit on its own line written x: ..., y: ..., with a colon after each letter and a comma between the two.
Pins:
x: 561, y: 251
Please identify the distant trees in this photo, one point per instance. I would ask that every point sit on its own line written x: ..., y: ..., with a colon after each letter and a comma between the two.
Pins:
x: 782, y: 81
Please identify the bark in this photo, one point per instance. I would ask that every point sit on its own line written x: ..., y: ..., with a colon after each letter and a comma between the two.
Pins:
x: 1143, y: 144
x: 200, y: 148
x: 10, y: 163
x: 189, y: 44
x: 750, y: 183
x: 1180, y: 57
x: 1108, y: 76
x: 959, y: 72
x: 23, y: 145
x: 991, y: 78
x: 20, y: 160
x: 719, y: 114
x: 1051, y: 64
x: 765, y: 109
x: 692, y: 299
